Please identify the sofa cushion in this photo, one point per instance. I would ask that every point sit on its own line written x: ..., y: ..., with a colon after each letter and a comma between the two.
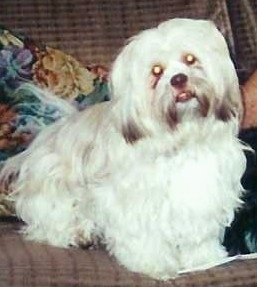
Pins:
x: 27, y: 264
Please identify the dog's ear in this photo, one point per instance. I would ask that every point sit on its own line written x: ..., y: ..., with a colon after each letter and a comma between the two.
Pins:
x: 128, y: 92
x: 230, y: 107
x: 120, y: 76
x: 225, y: 111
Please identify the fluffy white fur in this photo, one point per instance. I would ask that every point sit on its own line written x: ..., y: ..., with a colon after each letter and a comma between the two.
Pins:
x: 152, y: 176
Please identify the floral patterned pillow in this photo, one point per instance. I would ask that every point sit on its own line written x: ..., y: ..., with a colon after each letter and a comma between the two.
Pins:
x: 23, y: 111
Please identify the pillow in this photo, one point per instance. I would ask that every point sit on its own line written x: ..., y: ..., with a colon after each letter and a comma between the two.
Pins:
x: 24, y: 109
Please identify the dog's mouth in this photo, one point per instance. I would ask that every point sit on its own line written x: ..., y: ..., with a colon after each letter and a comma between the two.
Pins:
x: 184, y: 96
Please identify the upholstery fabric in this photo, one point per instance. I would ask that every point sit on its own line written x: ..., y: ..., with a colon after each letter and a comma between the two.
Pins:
x: 243, y: 17
x: 93, y: 31
x: 27, y: 264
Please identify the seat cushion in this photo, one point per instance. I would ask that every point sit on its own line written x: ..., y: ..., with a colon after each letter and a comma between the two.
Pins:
x: 29, y: 264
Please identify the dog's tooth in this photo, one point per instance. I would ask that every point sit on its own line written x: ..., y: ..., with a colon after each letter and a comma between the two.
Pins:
x: 184, y: 96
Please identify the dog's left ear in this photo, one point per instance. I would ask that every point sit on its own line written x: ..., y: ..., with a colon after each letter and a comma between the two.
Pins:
x: 229, y: 104
x: 230, y: 107
x: 226, y: 110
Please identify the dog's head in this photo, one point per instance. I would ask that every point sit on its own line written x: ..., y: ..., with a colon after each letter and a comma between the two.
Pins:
x: 178, y: 71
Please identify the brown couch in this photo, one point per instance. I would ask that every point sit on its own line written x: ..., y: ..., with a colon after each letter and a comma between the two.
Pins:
x: 93, y: 31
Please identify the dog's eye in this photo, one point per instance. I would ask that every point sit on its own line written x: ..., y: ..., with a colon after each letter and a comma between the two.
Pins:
x: 189, y: 59
x: 157, y: 70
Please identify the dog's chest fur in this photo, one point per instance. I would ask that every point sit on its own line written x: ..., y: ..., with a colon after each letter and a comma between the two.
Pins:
x: 172, y: 188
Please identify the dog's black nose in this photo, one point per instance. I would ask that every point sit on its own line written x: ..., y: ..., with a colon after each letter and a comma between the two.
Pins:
x: 179, y: 80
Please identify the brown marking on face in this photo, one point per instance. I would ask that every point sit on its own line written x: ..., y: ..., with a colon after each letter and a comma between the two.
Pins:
x: 131, y: 132
x: 204, y: 106
x: 171, y: 116
x: 155, y: 82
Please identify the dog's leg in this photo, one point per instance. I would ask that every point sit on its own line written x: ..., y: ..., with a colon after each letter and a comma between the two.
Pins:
x: 47, y: 197
x: 53, y: 219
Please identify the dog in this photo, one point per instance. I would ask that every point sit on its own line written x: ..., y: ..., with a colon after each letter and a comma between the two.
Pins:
x: 153, y: 174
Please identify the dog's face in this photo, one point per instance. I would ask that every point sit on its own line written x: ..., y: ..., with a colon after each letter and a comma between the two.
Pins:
x: 179, y: 71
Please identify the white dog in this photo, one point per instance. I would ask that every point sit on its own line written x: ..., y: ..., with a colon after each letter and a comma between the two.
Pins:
x: 154, y: 174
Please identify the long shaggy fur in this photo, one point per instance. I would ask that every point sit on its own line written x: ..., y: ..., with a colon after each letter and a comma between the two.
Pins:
x: 154, y: 174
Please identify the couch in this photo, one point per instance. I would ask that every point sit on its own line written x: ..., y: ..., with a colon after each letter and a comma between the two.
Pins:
x: 92, y: 31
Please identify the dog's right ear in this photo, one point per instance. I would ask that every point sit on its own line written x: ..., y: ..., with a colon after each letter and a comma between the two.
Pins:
x: 128, y: 93
x: 120, y: 75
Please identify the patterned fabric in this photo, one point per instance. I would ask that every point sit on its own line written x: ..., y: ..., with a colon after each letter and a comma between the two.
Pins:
x: 23, y: 110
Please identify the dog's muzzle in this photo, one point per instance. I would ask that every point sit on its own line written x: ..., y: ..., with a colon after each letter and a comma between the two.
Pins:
x: 179, y: 82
